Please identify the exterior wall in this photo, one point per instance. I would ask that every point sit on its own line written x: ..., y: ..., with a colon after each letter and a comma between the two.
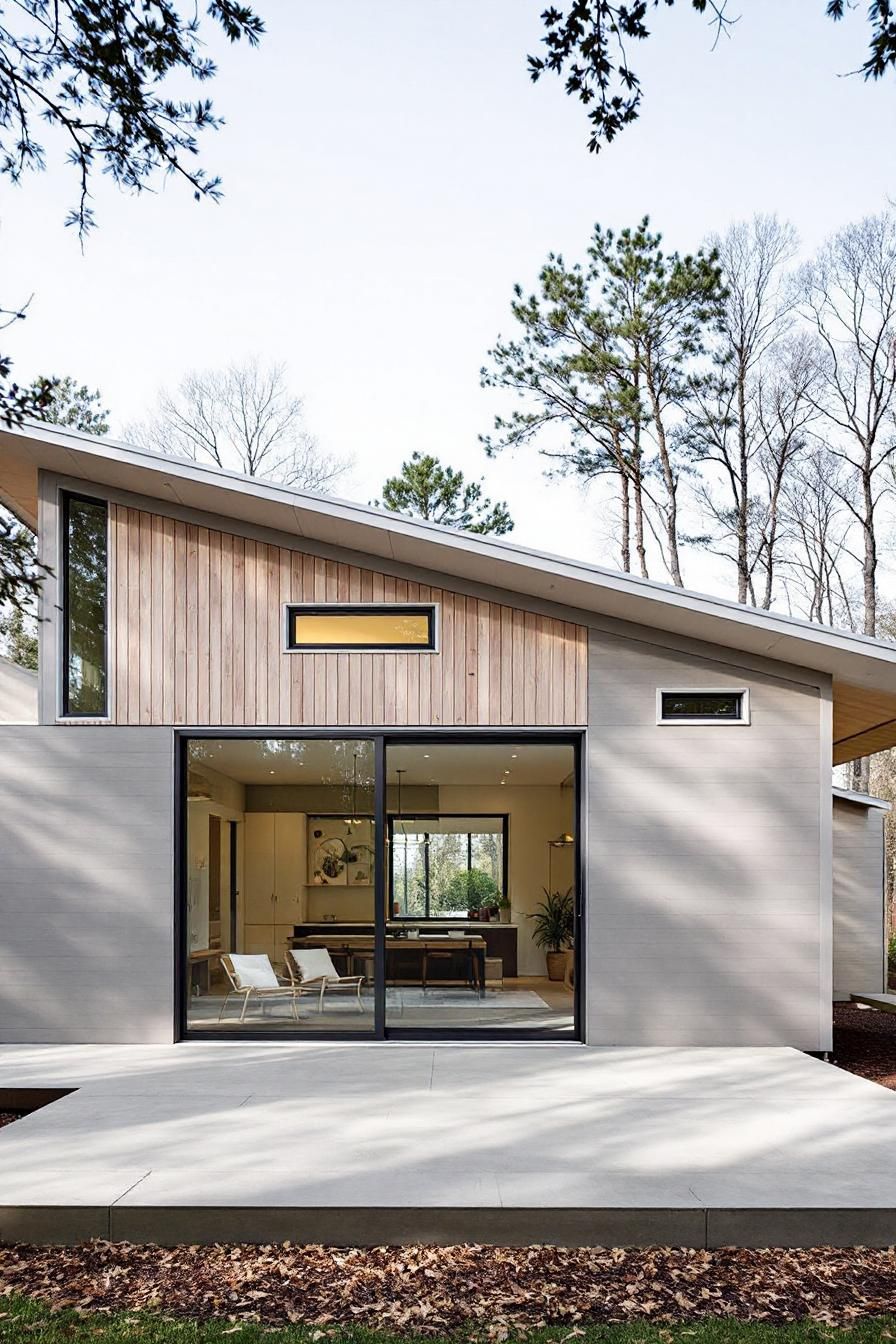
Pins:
x: 18, y: 693
x: 859, y: 917
x: 708, y: 913
x: 86, y: 894
x: 197, y: 637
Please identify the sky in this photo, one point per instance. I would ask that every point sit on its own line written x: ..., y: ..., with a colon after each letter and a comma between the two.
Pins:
x: 390, y: 172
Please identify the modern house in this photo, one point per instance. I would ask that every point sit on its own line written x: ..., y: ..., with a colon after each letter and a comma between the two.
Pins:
x: 305, y: 768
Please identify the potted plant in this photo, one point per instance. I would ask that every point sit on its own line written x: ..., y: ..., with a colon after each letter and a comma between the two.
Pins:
x: 553, y: 920
x: 472, y: 890
x: 504, y: 909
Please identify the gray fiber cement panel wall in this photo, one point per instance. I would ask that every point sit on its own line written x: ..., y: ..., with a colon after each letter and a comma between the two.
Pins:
x: 86, y: 884
x: 704, y: 858
x: 858, y: 899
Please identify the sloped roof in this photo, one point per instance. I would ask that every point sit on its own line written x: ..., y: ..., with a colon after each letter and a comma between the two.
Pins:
x: 864, y: 670
x: 863, y: 799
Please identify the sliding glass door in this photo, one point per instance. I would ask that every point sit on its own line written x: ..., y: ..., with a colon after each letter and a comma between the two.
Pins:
x: 280, y: 863
x: 482, y: 887
x: 387, y: 885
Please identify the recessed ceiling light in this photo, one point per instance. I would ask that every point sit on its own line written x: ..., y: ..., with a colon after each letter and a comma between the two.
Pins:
x: 272, y: 772
x: 502, y: 781
x: 507, y: 772
x: 426, y: 755
x: 513, y: 755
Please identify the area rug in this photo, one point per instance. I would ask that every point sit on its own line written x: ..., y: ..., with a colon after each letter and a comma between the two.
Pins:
x: 414, y: 997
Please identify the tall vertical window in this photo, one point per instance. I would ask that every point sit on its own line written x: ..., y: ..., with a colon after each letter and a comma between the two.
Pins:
x: 85, y: 582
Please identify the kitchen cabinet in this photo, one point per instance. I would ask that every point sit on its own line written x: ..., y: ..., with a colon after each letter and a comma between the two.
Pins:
x: 274, y: 879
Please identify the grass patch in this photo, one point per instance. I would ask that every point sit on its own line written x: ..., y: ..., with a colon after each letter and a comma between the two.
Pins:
x: 23, y: 1318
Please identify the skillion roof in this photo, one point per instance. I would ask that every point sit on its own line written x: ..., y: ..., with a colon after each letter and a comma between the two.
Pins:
x: 863, y: 669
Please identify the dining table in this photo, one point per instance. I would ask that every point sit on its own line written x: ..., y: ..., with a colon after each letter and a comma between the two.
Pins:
x: 361, y: 947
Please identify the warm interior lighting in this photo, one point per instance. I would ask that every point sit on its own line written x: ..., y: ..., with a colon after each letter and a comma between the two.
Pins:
x: 346, y: 628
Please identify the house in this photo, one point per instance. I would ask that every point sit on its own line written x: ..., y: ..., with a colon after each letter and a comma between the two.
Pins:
x: 18, y: 693
x: 859, y: 894
x: 316, y: 735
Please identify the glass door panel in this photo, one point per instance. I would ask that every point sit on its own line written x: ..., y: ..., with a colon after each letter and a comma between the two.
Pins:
x: 480, y: 887
x: 296, y: 953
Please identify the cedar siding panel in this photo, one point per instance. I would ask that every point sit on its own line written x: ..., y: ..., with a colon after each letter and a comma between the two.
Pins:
x: 198, y: 639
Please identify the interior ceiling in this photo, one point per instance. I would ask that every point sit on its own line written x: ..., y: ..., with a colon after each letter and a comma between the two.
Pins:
x: 864, y: 722
x: 326, y: 761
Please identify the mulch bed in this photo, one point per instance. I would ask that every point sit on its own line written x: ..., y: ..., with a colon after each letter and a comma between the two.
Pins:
x: 471, y: 1291
x: 865, y: 1043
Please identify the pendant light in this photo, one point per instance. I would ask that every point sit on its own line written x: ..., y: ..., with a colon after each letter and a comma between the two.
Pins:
x: 354, y: 819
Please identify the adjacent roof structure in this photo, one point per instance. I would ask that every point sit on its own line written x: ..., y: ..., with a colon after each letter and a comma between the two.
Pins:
x: 863, y: 799
x: 864, y: 670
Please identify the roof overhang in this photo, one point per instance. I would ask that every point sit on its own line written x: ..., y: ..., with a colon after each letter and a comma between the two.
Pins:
x: 863, y: 800
x: 863, y: 669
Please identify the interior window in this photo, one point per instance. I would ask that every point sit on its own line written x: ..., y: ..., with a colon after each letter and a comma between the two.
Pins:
x: 85, y: 578
x: 443, y: 867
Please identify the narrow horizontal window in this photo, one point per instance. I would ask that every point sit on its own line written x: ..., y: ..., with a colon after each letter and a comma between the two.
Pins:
x: 361, y: 626
x: 84, y: 588
x: 702, y: 706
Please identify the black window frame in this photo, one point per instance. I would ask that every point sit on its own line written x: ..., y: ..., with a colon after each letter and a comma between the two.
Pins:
x: 738, y: 698
x: 427, y: 609
x: 504, y: 818
x: 67, y: 498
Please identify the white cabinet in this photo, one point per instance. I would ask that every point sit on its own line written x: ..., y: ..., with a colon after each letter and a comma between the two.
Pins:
x: 273, y: 880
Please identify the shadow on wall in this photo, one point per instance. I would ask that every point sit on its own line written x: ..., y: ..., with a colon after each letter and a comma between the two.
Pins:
x: 703, y: 866
x: 86, y: 848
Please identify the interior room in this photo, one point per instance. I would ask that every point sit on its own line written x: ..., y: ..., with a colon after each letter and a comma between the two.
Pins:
x: 477, y: 870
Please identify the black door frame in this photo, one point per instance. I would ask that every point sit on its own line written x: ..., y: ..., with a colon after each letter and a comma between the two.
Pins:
x: 382, y: 738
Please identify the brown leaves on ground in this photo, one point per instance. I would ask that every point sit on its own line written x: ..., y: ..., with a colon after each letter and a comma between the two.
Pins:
x: 467, y: 1290
x: 865, y: 1043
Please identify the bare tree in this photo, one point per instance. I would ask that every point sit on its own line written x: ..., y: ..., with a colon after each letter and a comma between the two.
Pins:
x: 784, y: 415
x: 242, y: 418
x: 818, y: 524
x: 849, y: 295
x: 724, y: 427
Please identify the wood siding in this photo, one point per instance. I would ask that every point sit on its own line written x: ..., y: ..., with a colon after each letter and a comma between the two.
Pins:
x: 196, y: 637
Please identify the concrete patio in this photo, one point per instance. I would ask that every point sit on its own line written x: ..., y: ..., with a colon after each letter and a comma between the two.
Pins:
x: 370, y: 1144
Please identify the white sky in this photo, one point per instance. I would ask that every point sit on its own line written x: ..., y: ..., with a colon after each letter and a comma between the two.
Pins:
x: 390, y: 172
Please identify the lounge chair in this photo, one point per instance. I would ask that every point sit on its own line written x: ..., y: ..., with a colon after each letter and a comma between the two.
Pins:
x: 252, y: 976
x: 312, y: 968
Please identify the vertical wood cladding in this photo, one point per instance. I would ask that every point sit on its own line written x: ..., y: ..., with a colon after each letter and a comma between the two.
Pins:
x: 197, y: 632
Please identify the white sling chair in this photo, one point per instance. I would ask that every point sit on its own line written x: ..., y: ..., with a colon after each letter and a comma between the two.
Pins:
x: 310, y: 967
x: 252, y: 976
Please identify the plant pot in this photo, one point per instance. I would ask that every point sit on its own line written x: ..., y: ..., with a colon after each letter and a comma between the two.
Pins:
x: 504, y: 914
x: 556, y: 964
x: 473, y: 914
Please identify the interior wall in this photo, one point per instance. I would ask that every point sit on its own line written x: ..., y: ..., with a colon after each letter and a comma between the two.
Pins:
x: 227, y: 801
x: 537, y: 813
